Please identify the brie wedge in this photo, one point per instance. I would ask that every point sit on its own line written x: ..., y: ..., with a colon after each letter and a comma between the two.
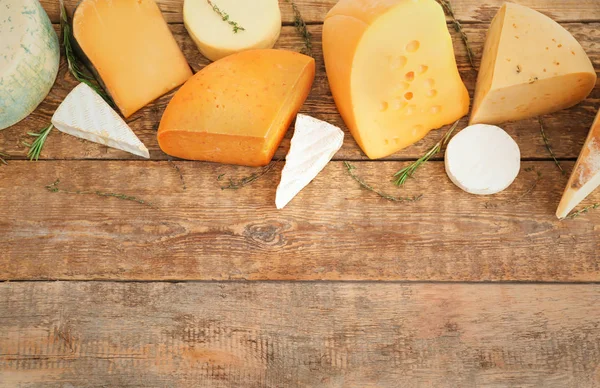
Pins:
x: 85, y: 114
x: 482, y: 159
x: 585, y: 177
x: 313, y: 145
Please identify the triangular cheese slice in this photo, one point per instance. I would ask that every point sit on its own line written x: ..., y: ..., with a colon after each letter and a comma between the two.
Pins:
x: 530, y: 66
x: 313, y: 145
x: 86, y: 115
x: 585, y: 177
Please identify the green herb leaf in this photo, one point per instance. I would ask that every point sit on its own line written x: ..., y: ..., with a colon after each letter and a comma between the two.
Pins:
x: 235, y: 184
x: 35, y: 148
x: 76, y: 67
x: 447, y: 6
x: 301, y: 28
x: 53, y: 188
x: 550, y: 151
x: 583, y: 211
x: 367, y: 186
x: 2, y: 156
x: 225, y: 17
x: 408, y: 171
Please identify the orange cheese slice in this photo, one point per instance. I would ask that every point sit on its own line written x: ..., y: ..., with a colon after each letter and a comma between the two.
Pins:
x: 131, y: 47
x: 392, y: 71
x: 237, y: 109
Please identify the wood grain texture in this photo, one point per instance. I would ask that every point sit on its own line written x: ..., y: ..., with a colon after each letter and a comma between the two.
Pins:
x: 332, y: 230
x: 314, y: 11
x: 566, y: 129
x: 298, y: 335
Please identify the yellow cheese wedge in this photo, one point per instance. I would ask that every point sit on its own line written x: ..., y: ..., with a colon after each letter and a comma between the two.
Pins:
x: 257, y: 25
x: 236, y: 110
x: 530, y: 66
x: 131, y: 47
x: 585, y: 177
x: 392, y: 71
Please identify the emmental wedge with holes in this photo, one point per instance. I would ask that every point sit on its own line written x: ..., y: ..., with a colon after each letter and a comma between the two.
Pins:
x: 530, y: 66
x: 237, y: 109
x: 392, y: 71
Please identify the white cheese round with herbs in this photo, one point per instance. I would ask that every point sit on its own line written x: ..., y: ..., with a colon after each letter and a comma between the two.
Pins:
x: 224, y: 27
x: 29, y: 57
x: 482, y: 159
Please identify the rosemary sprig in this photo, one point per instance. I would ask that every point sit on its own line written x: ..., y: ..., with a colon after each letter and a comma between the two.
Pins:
x: 176, y: 167
x: 447, y: 6
x: 2, y: 156
x: 35, y: 148
x: 76, y: 67
x: 53, y: 188
x: 300, y: 25
x: 550, y: 151
x: 235, y: 184
x: 367, y: 186
x: 583, y: 211
x: 408, y: 171
x: 225, y: 16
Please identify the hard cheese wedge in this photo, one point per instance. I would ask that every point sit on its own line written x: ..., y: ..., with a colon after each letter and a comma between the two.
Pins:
x: 29, y: 57
x: 530, y: 66
x: 585, y: 177
x: 236, y: 110
x: 258, y: 24
x: 131, y: 47
x: 313, y: 145
x: 86, y: 115
x: 392, y: 71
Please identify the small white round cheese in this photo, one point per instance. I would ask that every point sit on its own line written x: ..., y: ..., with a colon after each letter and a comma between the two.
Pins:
x: 482, y: 159
x: 257, y: 25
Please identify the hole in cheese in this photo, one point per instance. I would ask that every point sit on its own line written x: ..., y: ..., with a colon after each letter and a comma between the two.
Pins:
x: 408, y: 96
x: 413, y: 46
x: 410, y: 76
x: 423, y: 69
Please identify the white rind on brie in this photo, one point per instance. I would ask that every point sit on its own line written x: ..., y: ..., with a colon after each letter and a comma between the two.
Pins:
x: 482, y: 159
x: 313, y: 145
x: 86, y: 115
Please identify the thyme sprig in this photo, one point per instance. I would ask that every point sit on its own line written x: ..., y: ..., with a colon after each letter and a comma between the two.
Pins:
x: 35, y: 148
x: 367, y: 186
x: 76, y: 67
x: 583, y: 211
x: 225, y: 16
x: 53, y: 188
x: 549, y: 148
x: 408, y: 171
x: 300, y: 25
x: 2, y: 156
x: 176, y: 168
x: 447, y: 6
x: 236, y: 184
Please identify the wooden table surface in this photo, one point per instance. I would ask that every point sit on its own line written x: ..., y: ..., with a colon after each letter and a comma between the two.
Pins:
x: 216, y: 288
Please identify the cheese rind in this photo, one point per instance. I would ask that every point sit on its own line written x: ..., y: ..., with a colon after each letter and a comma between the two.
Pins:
x: 313, y: 145
x: 482, y: 159
x: 392, y: 71
x: 132, y: 49
x: 530, y: 66
x: 29, y: 58
x: 84, y: 114
x: 216, y: 38
x: 585, y: 177
x: 236, y: 110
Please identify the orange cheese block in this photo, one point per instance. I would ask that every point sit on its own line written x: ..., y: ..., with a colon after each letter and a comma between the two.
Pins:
x: 392, y: 71
x: 131, y: 47
x: 237, y: 109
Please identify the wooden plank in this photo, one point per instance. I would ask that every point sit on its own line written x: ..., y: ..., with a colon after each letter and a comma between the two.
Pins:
x: 566, y: 129
x: 314, y: 11
x: 298, y: 335
x: 332, y: 230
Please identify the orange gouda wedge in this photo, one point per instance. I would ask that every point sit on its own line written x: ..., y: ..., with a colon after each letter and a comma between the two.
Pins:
x: 392, y: 71
x: 131, y: 47
x: 237, y: 109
